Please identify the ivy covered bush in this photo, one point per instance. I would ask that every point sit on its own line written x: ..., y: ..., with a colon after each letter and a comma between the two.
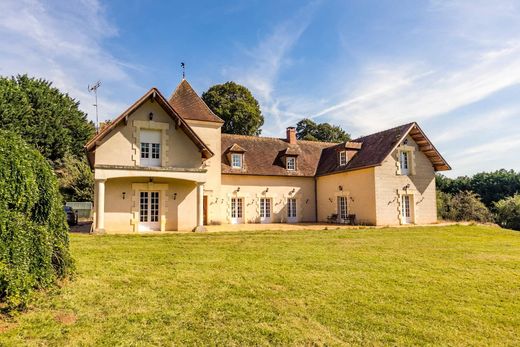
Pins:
x: 34, y: 243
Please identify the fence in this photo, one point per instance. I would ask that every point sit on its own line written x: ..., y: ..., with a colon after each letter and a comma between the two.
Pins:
x: 84, y: 208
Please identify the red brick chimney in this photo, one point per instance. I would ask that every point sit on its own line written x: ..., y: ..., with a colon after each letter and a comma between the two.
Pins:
x: 291, y: 135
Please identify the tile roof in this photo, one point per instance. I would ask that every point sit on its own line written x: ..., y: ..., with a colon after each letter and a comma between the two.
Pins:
x: 190, y: 106
x: 374, y: 149
x: 264, y: 155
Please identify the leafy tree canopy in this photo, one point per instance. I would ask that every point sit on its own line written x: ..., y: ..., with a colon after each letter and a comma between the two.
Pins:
x: 237, y: 107
x: 45, y: 117
x: 490, y: 186
x: 307, y: 129
x: 34, y: 238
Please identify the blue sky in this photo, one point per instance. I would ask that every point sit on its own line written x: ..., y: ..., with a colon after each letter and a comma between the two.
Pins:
x: 452, y: 66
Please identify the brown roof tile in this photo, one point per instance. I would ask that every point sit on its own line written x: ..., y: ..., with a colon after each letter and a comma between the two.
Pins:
x: 264, y: 155
x: 190, y: 106
x: 374, y: 149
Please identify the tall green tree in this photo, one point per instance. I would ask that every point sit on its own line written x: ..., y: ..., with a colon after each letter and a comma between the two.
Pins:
x: 44, y: 116
x: 307, y: 129
x: 50, y: 121
x: 238, y: 108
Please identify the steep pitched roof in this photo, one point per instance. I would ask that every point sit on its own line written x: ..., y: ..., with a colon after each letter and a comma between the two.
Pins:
x: 263, y: 155
x: 376, y: 147
x: 190, y: 106
x: 152, y: 94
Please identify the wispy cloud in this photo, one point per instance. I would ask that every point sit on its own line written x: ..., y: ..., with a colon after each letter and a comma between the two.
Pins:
x: 265, y: 61
x: 389, y: 95
x: 62, y: 42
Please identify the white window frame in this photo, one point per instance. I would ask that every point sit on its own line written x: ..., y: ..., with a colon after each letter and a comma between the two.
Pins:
x: 342, y: 207
x: 149, y: 210
x: 343, y: 158
x: 265, y: 210
x: 404, y: 162
x: 406, y: 208
x: 291, y: 209
x: 150, y: 148
x: 290, y: 164
x: 237, y: 210
x: 236, y: 160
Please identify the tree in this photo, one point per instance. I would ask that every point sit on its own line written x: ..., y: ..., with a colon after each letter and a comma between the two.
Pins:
x: 508, y: 212
x: 45, y: 117
x: 52, y: 122
x: 76, y: 179
x: 463, y: 206
x: 307, y: 129
x: 490, y: 186
x: 34, y: 239
x: 237, y: 107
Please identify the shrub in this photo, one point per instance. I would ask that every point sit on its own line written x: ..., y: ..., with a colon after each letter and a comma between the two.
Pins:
x: 463, y: 206
x: 508, y: 212
x: 34, y: 244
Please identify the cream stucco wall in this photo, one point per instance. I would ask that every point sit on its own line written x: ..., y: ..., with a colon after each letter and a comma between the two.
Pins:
x: 177, y: 203
x: 357, y: 186
x: 252, y: 188
x: 122, y: 147
x: 209, y: 132
x: 389, y: 188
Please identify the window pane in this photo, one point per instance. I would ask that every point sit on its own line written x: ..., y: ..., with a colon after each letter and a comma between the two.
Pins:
x: 145, y: 150
x: 236, y: 160
x: 156, y: 150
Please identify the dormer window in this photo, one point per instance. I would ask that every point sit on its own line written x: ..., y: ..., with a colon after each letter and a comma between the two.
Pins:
x: 236, y: 160
x: 291, y: 163
x: 343, y: 158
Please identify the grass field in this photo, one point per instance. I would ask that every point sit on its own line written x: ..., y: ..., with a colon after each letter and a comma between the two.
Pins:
x: 457, y: 285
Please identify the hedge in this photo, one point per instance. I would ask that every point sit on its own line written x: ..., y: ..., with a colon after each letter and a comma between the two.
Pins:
x: 34, y: 243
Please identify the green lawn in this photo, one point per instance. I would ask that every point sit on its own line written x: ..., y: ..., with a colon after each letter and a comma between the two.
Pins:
x: 415, y: 286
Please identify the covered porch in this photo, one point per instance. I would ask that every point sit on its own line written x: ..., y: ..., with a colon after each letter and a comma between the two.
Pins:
x: 144, y: 199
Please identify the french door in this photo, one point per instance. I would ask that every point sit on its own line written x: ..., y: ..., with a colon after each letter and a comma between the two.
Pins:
x: 291, y: 210
x: 150, y: 147
x: 265, y: 210
x: 237, y: 210
x: 406, y: 213
x: 149, y: 211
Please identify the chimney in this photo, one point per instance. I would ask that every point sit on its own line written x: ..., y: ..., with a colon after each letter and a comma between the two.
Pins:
x: 291, y: 135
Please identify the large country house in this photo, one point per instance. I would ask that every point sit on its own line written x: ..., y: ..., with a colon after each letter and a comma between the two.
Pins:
x: 165, y: 165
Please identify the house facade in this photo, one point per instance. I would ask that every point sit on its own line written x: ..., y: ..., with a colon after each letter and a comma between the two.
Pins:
x: 164, y: 165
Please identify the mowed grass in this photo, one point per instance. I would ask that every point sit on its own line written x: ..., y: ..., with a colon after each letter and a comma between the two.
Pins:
x: 457, y: 285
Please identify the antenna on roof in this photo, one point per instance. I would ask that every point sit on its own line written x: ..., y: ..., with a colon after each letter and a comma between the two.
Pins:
x: 94, y: 89
x: 183, y: 66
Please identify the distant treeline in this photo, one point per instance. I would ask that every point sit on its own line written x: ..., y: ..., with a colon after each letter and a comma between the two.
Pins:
x: 484, y: 197
x: 491, y: 187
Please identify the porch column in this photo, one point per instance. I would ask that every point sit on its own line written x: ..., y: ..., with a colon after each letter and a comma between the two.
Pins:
x: 100, y: 206
x: 200, y: 208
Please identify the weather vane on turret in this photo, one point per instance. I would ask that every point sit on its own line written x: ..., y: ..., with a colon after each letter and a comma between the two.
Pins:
x: 183, y: 66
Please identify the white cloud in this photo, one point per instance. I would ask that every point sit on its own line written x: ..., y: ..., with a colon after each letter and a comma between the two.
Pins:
x: 390, y: 95
x: 62, y: 43
x: 266, y: 60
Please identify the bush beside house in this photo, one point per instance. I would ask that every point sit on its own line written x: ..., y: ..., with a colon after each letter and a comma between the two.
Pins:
x: 34, y: 243
x: 508, y: 212
x: 462, y: 206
